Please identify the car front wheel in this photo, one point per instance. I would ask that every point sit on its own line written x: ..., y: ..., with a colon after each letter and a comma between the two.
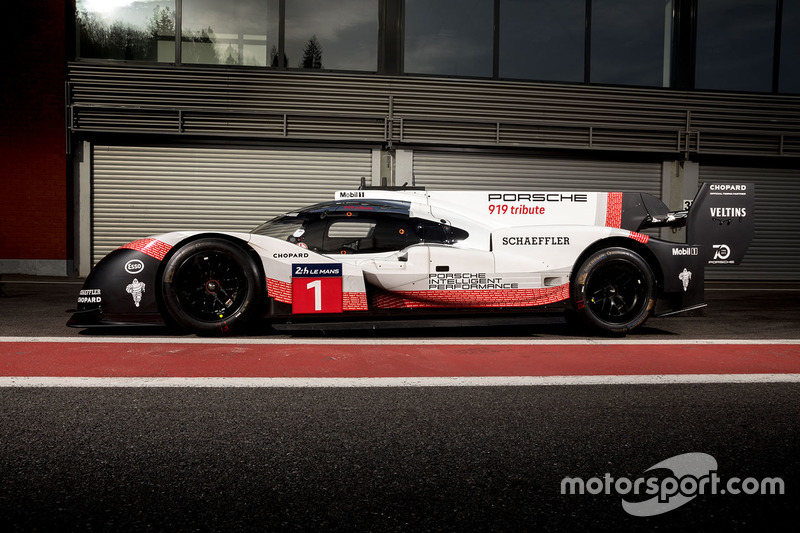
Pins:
x: 614, y: 290
x: 210, y: 286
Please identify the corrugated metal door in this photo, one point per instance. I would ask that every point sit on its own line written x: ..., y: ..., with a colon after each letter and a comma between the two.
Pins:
x: 450, y: 170
x: 774, y: 253
x: 145, y: 190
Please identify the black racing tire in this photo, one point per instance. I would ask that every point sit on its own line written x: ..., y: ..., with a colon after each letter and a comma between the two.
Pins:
x: 211, y: 286
x: 614, y: 291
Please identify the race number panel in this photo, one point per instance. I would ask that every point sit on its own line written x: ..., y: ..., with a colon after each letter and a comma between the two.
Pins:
x: 317, y: 288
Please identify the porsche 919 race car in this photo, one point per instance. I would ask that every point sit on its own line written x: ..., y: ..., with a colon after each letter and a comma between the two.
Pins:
x: 409, y: 253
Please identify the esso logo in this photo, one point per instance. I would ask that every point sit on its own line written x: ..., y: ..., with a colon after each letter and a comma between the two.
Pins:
x: 134, y: 266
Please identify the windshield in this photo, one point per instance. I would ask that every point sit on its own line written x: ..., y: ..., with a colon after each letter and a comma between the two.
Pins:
x: 282, y: 227
x: 285, y: 226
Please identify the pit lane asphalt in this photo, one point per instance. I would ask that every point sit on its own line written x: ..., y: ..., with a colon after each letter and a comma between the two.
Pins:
x: 35, y: 306
x: 397, y: 459
x: 390, y: 459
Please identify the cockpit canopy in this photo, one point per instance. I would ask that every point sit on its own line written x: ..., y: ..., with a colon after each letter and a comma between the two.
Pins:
x: 347, y: 227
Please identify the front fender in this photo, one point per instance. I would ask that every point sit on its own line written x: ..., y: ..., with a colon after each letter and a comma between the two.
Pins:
x: 121, y: 289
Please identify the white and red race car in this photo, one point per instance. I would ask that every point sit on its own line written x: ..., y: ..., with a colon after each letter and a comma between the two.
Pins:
x: 379, y: 255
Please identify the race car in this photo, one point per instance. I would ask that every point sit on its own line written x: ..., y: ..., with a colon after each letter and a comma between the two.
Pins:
x: 406, y: 253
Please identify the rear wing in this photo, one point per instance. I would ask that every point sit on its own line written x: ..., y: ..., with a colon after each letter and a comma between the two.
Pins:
x: 721, y: 222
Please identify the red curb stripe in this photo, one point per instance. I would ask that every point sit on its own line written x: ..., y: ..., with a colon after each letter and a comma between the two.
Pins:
x: 53, y: 359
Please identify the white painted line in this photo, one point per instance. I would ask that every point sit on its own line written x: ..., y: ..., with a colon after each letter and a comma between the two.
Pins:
x: 492, y: 381
x: 404, y: 341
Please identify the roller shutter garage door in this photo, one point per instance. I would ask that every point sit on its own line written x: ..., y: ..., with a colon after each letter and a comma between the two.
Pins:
x: 774, y: 254
x: 450, y: 170
x: 145, y: 190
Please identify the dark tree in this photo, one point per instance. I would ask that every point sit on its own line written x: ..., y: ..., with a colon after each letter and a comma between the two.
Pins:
x: 198, y: 47
x: 312, y: 54
x: 231, y: 56
x: 162, y: 23
x: 273, y: 54
x: 120, y: 40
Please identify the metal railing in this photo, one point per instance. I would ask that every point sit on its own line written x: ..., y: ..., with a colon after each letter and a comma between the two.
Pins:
x: 214, y: 102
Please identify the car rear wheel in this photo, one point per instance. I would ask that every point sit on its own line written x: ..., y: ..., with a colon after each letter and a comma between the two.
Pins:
x: 211, y: 286
x: 614, y: 290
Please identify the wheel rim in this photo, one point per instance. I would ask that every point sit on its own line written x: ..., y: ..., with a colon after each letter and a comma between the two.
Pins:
x: 210, y: 286
x: 616, y: 292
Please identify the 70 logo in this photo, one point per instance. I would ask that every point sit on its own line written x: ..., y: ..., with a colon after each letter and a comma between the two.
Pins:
x: 722, y: 251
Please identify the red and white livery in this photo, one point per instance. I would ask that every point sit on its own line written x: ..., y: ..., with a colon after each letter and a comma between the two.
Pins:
x: 379, y: 253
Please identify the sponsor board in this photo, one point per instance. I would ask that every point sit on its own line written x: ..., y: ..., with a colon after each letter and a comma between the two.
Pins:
x: 445, y: 281
x: 734, y: 189
x: 535, y: 241
x: 346, y: 195
x: 134, y: 266
x: 90, y: 296
x: 135, y: 289
x: 722, y: 253
x: 685, y: 276
x: 290, y: 255
x: 686, y: 250
x: 500, y: 203
x: 720, y: 212
x: 537, y: 197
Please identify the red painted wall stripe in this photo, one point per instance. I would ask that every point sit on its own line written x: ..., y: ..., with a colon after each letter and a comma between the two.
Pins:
x: 55, y: 359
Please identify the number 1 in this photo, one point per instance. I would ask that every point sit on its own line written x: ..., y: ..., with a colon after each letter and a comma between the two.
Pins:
x: 317, y: 286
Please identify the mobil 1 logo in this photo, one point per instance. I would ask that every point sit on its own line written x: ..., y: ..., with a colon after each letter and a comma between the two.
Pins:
x: 686, y: 251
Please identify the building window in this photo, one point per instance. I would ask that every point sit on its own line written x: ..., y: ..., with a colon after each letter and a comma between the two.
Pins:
x: 728, y: 45
x: 735, y: 44
x: 631, y: 42
x: 235, y: 32
x: 339, y: 35
x: 449, y: 37
x: 790, y: 48
x: 136, y: 31
x: 542, y: 39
